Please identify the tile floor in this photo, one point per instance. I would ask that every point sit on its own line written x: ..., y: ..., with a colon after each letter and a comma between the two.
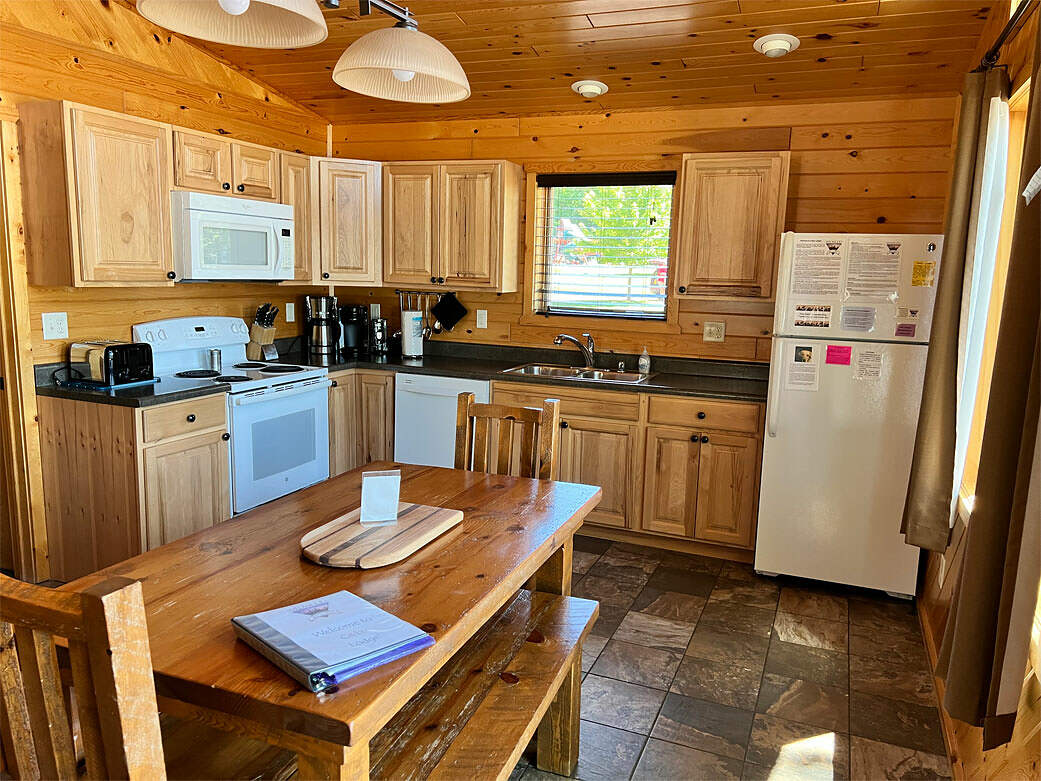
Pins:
x: 700, y: 669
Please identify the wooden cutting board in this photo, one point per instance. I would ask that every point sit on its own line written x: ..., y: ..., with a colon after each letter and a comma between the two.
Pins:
x: 346, y: 542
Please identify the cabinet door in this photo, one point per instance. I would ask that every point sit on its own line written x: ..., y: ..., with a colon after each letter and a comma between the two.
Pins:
x: 471, y: 225
x: 410, y: 220
x: 296, y: 191
x: 731, y: 218
x: 728, y: 490
x: 202, y: 163
x: 123, y: 173
x: 344, y: 424
x: 376, y: 413
x: 186, y: 487
x: 670, y: 481
x: 350, y: 220
x: 256, y: 171
x: 603, y: 453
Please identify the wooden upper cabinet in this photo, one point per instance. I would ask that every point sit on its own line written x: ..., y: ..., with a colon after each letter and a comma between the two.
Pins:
x: 97, y: 196
x: 296, y: 179
x: 202, y: 163
x: 255, y: 171
x: 670, y: 481
x: 470, y: 231
x: 603, y: 453
x: 728, y: 489
x: 731, y: 215
x: 452, y: 224
x: 410, y: 223
x: 349, y: 206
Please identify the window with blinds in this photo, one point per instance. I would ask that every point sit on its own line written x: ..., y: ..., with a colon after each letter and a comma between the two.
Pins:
x: 602, y: 244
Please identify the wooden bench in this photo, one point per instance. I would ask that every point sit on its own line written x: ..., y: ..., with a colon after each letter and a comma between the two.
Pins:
x: 474, y: 718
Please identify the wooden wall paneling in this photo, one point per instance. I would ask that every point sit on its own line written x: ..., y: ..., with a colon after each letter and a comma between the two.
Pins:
x: 24, y: 512
x: 857, y: 166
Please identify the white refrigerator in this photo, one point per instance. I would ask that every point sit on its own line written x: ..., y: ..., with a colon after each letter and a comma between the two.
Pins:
x: 851, y: 333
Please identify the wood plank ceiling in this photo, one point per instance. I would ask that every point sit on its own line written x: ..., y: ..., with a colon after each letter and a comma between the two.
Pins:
x: 521, y: 57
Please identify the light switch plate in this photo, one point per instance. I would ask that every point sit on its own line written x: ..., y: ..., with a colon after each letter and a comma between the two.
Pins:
x: 714, y: 332
x: 482, y: 318
x: 55, y: 325
x: 290, y: 310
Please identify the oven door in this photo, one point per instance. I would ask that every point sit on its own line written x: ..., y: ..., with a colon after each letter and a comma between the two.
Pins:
x: 239, y: 246
x: 279, y: 441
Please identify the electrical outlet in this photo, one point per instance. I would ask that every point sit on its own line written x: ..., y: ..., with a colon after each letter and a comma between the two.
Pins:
x: 55, y: 325
x: 714, y: 332
x: 290, y: 310
x: 482, y: 318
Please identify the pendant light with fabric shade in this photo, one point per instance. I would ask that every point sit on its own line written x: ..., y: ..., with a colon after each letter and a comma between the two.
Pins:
x: 401, y: 63
x: 258, y: 24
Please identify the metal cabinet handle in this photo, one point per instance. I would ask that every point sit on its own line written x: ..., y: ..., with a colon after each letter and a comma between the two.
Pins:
x: 563, y: 424
x: 241, y: 188
x: 171, y: 275
x: 225, y: 436
x: 704, y: 438
x: 693, y: 437
x: 701, y: 416
x: 191, y: 418
x: 226, y: 186
x: 433, y: 280
x: 325, y: 275
x: 440, y: 280
x: 336, y: 384
x: 681, y: 289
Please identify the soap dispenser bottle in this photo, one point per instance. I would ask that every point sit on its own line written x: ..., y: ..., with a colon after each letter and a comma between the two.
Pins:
x: 645, y: 361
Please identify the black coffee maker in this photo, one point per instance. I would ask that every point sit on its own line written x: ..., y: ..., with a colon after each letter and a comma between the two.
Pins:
x: 354, y: 330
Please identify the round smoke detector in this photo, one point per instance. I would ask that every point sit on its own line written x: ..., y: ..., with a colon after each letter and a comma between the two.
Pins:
x: 776, y: 44
x: 589, y: 89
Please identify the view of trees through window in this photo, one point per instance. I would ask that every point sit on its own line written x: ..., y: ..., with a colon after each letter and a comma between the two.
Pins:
x: 604, y: 249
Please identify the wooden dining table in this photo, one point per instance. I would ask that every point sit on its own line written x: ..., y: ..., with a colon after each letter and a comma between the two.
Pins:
x: 515, y: 532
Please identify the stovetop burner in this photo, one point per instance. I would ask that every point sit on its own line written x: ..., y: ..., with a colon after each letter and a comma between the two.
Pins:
x: 249, y: 365
x: 231, y: 378
x: 280, y: 369
x: 198, y: 374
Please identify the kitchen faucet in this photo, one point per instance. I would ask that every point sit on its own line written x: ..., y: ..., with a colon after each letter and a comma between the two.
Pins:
x: 588, y: 349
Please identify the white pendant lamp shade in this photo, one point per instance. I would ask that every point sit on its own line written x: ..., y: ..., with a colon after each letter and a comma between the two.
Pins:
x: 400, y: 63
x: 259, y: 24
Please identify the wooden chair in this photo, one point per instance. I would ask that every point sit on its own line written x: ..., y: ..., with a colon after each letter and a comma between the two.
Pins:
x: 504, y: 440
x: 111, y: 718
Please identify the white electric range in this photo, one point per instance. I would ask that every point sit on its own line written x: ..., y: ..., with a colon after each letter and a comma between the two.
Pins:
x: 278, y: 414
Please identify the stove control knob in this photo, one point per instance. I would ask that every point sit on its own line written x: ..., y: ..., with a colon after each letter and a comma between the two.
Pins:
x: 162, y: 334
x: 149, y: 336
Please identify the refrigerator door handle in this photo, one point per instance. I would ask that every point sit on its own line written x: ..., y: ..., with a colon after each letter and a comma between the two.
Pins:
x: 774, y: 389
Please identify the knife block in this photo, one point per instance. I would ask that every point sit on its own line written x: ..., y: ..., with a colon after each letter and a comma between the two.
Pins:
x: 259, y: 337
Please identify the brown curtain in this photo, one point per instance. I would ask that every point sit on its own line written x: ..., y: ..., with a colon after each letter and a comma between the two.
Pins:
x: 980, y: 640
x: 927, y: 510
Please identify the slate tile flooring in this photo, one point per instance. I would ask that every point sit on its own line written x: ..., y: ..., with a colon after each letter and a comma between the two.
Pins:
x: 700, y: 669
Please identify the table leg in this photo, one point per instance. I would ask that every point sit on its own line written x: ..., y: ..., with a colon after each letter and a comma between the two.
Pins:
x: 353, y: 765
x: 554, y: 576
x: 558, y: 732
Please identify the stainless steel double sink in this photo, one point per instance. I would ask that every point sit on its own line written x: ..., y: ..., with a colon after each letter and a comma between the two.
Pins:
x: 577, y: 373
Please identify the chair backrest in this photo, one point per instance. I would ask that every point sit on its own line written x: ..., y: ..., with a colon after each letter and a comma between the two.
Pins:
x: 507, y: 440
x: 111, y: 676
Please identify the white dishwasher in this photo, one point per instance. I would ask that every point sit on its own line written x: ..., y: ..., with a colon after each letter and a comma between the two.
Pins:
x: 424, y: 416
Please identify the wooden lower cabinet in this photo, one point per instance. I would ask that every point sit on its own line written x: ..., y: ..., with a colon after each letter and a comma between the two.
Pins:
x: 728, y: 489
x: 670, y: 481
x: 603, y: 453
x: 186, y: 487
x: 361, y: 419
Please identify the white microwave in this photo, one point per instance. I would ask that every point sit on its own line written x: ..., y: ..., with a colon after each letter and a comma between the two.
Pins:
x: 218, y: 237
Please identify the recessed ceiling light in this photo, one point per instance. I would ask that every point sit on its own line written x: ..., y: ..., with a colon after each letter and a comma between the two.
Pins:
x: 589, y: 89
x: 776, y: 44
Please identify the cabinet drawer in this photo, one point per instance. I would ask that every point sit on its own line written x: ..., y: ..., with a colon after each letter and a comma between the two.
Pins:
x: 573, y: 401
x: 184, y: 417
x: 702, y: 413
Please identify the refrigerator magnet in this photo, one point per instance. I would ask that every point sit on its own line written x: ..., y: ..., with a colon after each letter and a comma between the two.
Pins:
x: 858, y: 318
x: 923, y: 273
x: 869, y: 365
x: 802, y: 373
x: 905, y: 329
x: 812, y: 316
x: 838, y: 354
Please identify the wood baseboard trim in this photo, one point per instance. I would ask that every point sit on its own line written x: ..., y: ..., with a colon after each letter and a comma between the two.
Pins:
x: 667, y: 543
x: 947, y: 726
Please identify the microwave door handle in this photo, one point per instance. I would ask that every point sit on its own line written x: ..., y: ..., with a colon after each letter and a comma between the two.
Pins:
x: 276, y: 248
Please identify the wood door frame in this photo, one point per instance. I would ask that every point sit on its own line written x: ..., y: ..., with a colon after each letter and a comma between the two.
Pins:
x: 22, y: 459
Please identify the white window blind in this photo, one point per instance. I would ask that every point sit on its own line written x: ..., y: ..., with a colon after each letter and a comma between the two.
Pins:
x: 602, y: 244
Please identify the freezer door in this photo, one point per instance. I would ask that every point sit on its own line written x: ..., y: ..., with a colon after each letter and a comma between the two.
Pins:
x: 836, y: 462
x: 858, y: 286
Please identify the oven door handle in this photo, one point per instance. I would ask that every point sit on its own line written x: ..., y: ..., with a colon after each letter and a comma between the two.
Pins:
x: 275, y: 394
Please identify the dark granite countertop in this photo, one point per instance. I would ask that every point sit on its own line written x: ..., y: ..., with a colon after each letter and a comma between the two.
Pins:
x: 735, y: 388
x: 682, y: 377
x: 162, y: 392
